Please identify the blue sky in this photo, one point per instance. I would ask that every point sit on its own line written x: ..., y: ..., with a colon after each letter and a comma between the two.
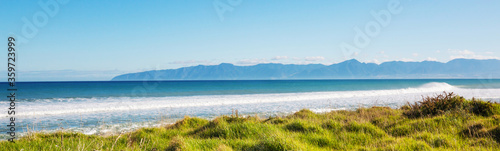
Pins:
x: 95, y: 40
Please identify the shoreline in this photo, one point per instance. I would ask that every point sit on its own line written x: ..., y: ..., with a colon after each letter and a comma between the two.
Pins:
x: 151, y: 124
x: 471, y: 124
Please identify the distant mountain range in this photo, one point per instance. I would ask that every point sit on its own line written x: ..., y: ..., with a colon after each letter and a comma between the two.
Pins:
x: 350, y: 69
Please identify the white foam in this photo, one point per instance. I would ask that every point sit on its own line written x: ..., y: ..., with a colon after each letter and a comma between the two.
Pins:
x: 115, y: 104
x: 325, y: 110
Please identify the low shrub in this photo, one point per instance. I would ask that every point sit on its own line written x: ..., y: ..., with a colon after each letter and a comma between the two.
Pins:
x: 432, y: 106
x: 482, y: 108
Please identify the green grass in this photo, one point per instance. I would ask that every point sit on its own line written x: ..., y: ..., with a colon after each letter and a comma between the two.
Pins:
x: 445, y: 122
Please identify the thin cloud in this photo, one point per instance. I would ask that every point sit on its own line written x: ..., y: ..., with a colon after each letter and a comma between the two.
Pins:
x: 406, y: 60
x: 191, y: 62
x: 252, y: 61
x: 280, y: 58
x: 373, y: 61
x: 431, y: 59
x: 316, y: 58
x: 467, y: 54
x: 70, y: 75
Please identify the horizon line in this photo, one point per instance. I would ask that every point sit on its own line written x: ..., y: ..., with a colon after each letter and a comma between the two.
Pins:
x: 180, y: 80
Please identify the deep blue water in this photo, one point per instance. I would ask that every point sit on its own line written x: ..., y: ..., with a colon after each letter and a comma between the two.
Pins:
x: 47, y: 90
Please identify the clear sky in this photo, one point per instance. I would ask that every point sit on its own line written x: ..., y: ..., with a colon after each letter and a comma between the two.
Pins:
x: 96, y: 40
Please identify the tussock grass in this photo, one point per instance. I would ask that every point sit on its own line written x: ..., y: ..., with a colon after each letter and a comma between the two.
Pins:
x: 449, y: 102
x: 443, y: 122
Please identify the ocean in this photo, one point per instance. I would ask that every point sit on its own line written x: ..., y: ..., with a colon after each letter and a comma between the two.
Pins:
x: 103, y: 107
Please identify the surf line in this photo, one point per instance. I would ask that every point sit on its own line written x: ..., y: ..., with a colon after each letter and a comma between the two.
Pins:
x: 12, y: 89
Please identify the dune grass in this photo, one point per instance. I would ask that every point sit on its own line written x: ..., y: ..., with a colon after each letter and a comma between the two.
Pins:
x: 443, y: 122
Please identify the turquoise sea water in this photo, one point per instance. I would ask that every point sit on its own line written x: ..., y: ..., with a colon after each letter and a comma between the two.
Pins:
x: 102, y: 107
x: 32, y: 91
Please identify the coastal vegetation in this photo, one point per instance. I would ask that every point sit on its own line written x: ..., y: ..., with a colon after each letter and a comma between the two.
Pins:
x: 442, y: 122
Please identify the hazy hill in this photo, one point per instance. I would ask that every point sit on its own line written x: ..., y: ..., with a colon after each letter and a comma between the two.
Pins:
x: 458, y: 68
